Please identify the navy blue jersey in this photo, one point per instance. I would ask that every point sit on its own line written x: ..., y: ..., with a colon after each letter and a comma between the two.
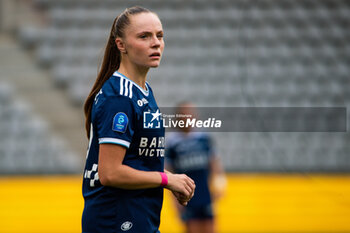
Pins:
x: 191, y: 154
x: 124, y: 114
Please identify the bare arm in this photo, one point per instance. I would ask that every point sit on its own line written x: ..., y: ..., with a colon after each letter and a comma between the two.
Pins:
x: 215, y: 166
x: 217, y: 177
x: 112, y: 172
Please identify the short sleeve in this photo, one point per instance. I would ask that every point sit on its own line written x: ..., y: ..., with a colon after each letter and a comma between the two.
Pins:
x: 115, y: 121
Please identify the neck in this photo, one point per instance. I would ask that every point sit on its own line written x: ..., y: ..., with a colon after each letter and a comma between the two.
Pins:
x: 135, y: 73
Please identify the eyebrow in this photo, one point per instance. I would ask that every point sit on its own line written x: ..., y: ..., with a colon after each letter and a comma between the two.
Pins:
x: 149, y: 32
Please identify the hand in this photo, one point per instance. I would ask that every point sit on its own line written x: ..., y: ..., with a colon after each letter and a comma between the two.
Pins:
x: 182, y: 187
x: 181, y: 198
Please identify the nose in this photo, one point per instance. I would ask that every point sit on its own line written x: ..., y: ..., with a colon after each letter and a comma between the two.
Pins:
x: 155, y: 41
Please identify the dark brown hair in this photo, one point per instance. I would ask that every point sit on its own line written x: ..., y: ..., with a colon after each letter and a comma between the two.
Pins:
x: 111, y: 59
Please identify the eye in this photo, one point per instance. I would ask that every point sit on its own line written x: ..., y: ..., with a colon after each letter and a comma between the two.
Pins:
x: 143, y: 36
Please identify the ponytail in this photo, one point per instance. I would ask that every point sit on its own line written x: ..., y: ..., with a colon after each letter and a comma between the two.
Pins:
x: 111, y: 59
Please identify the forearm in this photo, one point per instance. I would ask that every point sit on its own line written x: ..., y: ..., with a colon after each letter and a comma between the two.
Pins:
x: 215, y: 166
x: 129, y: 178
x: 112, y: 172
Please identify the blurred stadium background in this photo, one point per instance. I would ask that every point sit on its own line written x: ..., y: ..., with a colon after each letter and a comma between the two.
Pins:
x: 238, y: 53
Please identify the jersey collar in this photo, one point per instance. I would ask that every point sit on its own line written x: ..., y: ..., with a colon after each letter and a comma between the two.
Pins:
x: 145, y: 92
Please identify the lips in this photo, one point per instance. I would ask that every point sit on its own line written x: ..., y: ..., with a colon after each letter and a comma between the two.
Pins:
x: 155, y: 54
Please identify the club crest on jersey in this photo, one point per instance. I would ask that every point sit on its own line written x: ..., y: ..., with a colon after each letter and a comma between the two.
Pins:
x: 152, y: 120
x: 126, y: 226
x: 120, y: 122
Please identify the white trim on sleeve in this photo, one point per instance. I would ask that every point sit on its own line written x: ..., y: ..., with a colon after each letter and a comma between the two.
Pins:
x: 114, y: 141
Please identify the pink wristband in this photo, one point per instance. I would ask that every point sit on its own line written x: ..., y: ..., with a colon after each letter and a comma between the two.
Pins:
x: 164, y: 179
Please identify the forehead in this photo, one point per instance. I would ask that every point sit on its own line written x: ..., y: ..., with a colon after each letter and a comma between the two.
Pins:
x: 144, y: 22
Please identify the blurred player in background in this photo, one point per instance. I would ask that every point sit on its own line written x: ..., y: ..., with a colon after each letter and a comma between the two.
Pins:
x: 124, y: 173
x: 193, y: 153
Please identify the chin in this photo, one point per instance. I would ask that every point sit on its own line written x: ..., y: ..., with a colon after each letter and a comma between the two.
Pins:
x: 154, y: 65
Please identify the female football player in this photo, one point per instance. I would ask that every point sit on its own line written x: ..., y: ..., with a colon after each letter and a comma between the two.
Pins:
x: 124, y: 173
x: 193, y: 153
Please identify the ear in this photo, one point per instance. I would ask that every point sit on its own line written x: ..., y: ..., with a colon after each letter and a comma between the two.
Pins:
x: 120, y: 44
